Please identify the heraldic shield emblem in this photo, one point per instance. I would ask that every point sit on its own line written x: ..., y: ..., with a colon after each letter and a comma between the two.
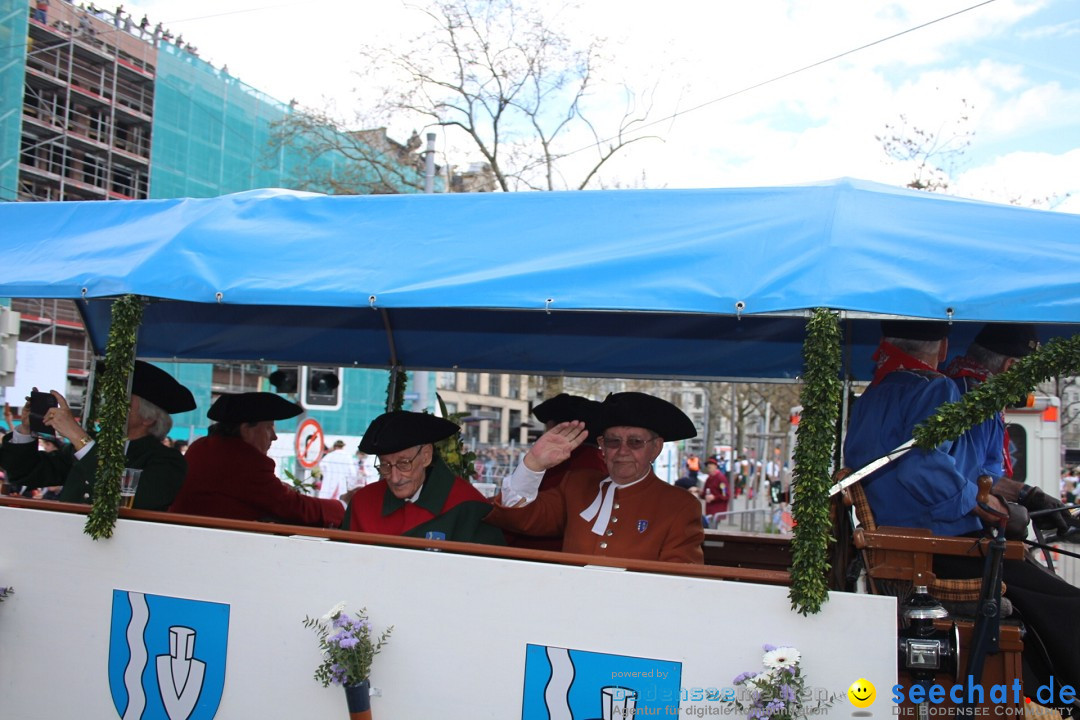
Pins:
x: 166, y: 656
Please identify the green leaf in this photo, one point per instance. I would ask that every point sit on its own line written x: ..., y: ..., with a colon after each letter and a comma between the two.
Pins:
x: 814, y: 448
x: 116, y: 401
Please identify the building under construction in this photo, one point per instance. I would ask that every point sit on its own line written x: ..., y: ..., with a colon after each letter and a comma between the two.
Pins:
x: 96, y: 107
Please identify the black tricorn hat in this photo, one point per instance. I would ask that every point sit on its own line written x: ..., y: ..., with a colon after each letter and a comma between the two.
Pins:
x: 915, y: 329
x: 395, y: 431
x: 1009, y: 339
x: 565, y: 407
x: 635, y: 409
x: 252, y: 407
x: 160, y: 388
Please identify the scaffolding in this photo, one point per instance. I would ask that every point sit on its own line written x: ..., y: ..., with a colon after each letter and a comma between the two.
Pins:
x: 87, y: 110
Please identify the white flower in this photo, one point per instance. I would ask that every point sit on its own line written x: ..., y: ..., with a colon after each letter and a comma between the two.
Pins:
x: 333, y: 612
x: 759, y: 681
x: 781, y: 657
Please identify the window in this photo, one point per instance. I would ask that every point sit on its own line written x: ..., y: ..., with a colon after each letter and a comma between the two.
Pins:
x: 514, y: 387
x: 515, y: 425
x: 471, y: 430
x: 495, y: 384
x: 236, y: 378
x: 472, y: 382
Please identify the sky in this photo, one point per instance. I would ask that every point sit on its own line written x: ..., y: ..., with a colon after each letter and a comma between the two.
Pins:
x: 770, y: 92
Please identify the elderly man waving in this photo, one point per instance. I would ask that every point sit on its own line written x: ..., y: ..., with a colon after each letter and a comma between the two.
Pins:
x: 631, y: 513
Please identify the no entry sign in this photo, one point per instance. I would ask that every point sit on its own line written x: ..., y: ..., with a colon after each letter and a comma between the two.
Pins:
x: 309, y: 443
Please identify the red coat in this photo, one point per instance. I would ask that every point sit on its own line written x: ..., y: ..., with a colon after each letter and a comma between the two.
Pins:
x: 446, y: 505
x: 649, y: 521
x: 229, y: 478
x: 717, y: 484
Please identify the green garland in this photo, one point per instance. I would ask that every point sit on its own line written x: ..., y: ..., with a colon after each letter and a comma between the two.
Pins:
x: 814, y: 447
x: 452, y: 449
x: 1058, y: 357
x: 395, y: 388
x: 119, y: 361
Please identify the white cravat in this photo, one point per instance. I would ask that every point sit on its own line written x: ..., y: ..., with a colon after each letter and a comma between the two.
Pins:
x: 601, y: 506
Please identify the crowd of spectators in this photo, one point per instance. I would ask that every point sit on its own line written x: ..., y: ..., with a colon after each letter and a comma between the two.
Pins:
x: 119, y: 18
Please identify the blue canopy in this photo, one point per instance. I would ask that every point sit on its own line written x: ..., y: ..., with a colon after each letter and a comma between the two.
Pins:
x: 669, y: 283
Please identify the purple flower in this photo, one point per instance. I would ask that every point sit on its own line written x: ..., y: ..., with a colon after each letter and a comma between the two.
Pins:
x: 787, y: 693
x: 337, y: 674
x: 742, y: 677
x: 349, y: 642
x: 769, y: 648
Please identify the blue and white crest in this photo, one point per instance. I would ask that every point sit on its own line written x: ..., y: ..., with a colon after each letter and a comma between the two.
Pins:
x: 167, y: 656
x: 582, y: 684
x: 642, y: 525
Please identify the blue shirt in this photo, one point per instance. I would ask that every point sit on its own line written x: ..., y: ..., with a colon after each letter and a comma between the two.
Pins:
x: 932, y: 489
x: 988, y: 435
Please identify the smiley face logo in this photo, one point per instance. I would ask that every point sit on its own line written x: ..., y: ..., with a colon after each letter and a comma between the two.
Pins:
x: 862, y: 693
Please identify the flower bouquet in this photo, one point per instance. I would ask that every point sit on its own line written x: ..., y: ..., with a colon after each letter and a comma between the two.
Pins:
x: 348, y: 650
x: 778, y: 691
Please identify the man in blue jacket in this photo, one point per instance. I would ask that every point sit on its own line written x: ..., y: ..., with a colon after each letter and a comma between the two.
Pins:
x: 936, y: 488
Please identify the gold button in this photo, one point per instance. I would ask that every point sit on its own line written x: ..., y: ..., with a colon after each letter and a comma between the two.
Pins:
x: 609, y: 533
x: 616, y: 506
x: 614, y: 519
x: 603, y: 546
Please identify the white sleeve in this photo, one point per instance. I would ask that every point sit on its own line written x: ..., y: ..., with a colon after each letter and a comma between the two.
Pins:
x: 84, y: 450
x: 522, y: 484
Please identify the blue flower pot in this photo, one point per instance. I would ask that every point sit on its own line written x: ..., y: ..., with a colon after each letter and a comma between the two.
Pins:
x: 358, y: 698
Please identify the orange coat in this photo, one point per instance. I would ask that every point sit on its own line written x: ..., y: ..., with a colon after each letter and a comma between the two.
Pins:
x: 649, y: 521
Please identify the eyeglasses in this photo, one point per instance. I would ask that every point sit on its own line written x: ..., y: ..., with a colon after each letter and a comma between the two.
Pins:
x: 403, y: 466
x: 633, y: 443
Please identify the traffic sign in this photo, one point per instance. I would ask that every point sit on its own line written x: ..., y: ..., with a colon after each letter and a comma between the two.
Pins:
x: 309, y: 443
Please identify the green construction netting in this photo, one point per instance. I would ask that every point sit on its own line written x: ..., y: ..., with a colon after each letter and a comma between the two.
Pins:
x: 14, y: 19
x: 212, y: 135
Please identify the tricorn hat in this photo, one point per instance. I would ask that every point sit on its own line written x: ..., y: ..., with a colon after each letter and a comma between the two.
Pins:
x: 252, y: 407
x: 565, y: 407
x: 635, y: 409
x: 160, y: 388
x: 395, y: 431
x: 915, y: 329
x: 1009, y: 339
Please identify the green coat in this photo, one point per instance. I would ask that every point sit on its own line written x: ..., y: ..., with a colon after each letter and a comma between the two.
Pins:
x: 163, y: 470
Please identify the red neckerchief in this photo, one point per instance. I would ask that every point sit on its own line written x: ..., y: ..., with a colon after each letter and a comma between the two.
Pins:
x: 962, y: 367
x: 889, y: 357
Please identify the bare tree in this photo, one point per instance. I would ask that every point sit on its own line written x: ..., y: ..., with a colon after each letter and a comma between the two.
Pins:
x: 512, y: 84
x: 748, y: 403
x: 332, y: 160
x: 932, y: 154
x: 1067, y: 389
